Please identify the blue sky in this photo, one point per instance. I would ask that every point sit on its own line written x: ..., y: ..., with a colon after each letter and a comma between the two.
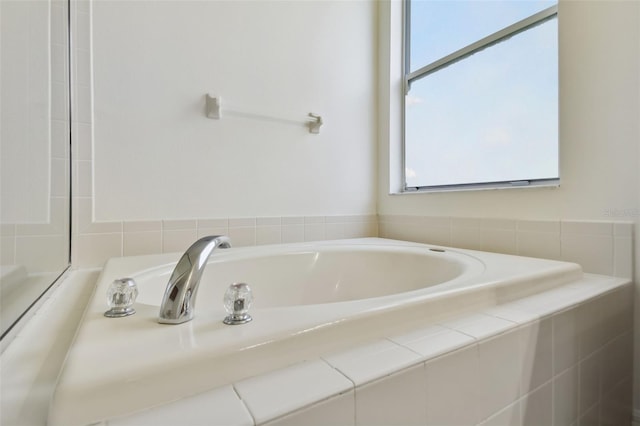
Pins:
x: 491, y: 117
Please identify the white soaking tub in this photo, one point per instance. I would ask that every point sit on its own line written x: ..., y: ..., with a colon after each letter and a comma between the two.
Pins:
x: 310, y: 299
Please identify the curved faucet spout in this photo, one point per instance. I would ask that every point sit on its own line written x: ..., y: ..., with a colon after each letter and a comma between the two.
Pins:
x: 179, y: 298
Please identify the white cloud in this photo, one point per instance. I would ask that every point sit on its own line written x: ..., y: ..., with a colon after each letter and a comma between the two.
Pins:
x: 413, y: 100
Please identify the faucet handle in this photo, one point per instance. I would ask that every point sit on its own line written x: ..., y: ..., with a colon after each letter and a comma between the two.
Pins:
x: 237, y: 301
x: 121, y: 295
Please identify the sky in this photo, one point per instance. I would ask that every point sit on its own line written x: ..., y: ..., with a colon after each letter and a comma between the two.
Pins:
x: 491, y: 117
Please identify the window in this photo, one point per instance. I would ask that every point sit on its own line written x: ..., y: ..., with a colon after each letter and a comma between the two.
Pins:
x: 481, y: 93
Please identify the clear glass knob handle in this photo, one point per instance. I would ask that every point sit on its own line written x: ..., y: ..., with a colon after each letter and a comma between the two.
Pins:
x: 121, y: 295
x: 237, y: 301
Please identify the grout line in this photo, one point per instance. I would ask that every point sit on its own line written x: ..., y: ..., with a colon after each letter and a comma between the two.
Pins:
x: 244, y: 404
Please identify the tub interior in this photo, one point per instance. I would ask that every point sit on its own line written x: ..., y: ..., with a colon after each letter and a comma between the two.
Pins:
x: 307, y: 277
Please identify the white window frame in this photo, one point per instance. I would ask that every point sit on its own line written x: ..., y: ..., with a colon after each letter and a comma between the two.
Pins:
x: 460, y: 54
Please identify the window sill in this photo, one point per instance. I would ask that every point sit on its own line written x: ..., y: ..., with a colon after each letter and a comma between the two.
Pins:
x: 547, y: 184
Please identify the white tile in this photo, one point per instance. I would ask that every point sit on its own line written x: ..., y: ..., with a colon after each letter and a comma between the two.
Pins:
x: 92, y: 250
x: 335, y: 219
x: 429, y: 234
x: 83, y: 67
x: 453, y: 388
x: 616, y: 405
x: 333, y: 231
x: 552, y: 226
x: 83, y: 105
x: 59, y: 180
x: 204, y: 232
x: 213, y: 223
x: 617, y: 361
x: 589, y: 379
x: 468, y: 238
x: 465, y: 222
x: 551, y: 301
x: 337, y: 410
x: 268, y: 235
x: 138, y: 243
x: 218, y: 407
x: 293, y: 220
x: 586, y: 227
x: 593, y: 252
x: 509, y: 416
x: 7, y: 250
x: 7, y: 230
x: 398, y: 399
x: 60, y: 140
x: 242, y: 222
x: 565, y: 340
x: 268, y: 221
x: 59, y: 110
x: 186, y: 224
x: 83, y: 142
x: 433, y: 341
x: 178, y: 240
x: 83, y: 6
x: 83, y: 30
x: 537, y: 407
x: 57, y: 225
x: 355, y: 218
x: 498, y: 223
x: 242, y: 236
x: 590, y: 330
x: 591, y: 417
x: 623, y: 257
x: 537, y: 354
x: 360, y: 230
x: 372, y: 361
x: 292, y: 233
x: 42, y: 253
x: 442, y: 222
x: 84, y: 179
x: 142, y: 226
x: 314, y: 232
x: 314, y: 219
x: 500, y: 366
x: 617, y: 312
x: 623, y: 229
x: 479, y: 326
x: 293, y: 389
x: 544, y: 245
x: 512, y: 312
x: 498, y: 240
x: 383, y: 231
x: 400, y: 231
x: 565, y: 397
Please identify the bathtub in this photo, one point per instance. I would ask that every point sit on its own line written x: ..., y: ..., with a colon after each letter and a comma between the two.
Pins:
x: 310, y: 299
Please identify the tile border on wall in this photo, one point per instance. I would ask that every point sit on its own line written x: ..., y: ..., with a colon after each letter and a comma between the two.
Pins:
x: 601, y: 247
x: 490, y: 378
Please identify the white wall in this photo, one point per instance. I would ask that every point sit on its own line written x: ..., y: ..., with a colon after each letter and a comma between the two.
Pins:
x: 599, y: 130
x: 156, y: 155
x: 25, y: 111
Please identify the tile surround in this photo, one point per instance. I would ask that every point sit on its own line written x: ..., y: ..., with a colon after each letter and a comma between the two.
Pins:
x: 501, y: 376
x: 96, y: 242
x: 601, y: 247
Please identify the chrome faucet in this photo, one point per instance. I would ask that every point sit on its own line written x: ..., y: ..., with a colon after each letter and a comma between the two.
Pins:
x: 179, y: 298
